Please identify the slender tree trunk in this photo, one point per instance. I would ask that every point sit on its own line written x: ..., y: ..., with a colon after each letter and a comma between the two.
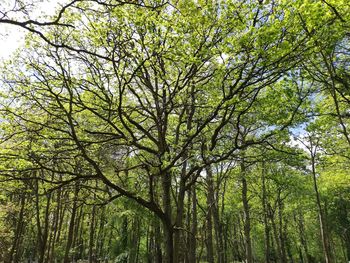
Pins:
x: 42, y: 227
x: 71, y: 226
x: 265, y: 214
x: 217, y: 223
x: 46, y: 227
x: 236, y: 240
x: 246, y: 214
x: 276, y: 235
x: 193, y: 225
x: 100, y: 234
x: 224, y: 225
x: 14, y: 253
x: 323, y: 228
x: 136, y: 240
x: 56, y: 223
x: 209, y: 224
x: 303, y: 241
x: 77, y: 227
x: 62, y: 213
x: 280, y: 231
x: 287, y: 243
x: 49, y: 245
x: 91, y: 235
x: 80, y: 236
x: 149, y: 244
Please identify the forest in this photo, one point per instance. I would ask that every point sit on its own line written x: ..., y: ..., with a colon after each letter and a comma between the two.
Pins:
x: 176, y: 131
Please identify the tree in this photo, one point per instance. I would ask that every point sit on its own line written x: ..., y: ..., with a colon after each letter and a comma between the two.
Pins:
x: 139, y: 101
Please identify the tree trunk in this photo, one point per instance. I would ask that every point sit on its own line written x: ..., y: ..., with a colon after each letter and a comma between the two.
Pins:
x: 193, y: 225
x: 276, y: 235
x: 280, y: 231
x: 56, y: 223
x: 169, y: 249
x: 167, y: 220
x: 14, y: 253
x: 246, y: 215
x: 42, y: 227
x: 209, y: 224
x: 157, y: 240
x: 237, y: 255
x: 218, y: 225
x: 91, y: 235
x: 265, y: 215
x: 300, y: 222
x: 323, y: 228
x: 178, y: 234
x: 71, y: 226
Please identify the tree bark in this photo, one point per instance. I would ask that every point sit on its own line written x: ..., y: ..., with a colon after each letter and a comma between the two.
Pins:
x: 246, y: 215
x: 209, y: 224
x: 167, y: 220
x: 91, y: 235
x: 303, y: 241
x: 14, y: 253
x: 265, y: 213
x: 323, y: 228
x: 71, y: 226
x: 178, y: 234
x: 281, y: 234
x: 193, y: 224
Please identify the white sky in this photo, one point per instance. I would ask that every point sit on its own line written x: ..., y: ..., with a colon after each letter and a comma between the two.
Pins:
x: 12, y: 37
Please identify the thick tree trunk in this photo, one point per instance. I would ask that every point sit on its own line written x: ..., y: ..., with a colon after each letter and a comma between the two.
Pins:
x: 168, y: 236
x: 178, y: 234
x: 157, y: 240
x: 167, y: 221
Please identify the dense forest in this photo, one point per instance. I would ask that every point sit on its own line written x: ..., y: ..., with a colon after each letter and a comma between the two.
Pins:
x: 176, y: 131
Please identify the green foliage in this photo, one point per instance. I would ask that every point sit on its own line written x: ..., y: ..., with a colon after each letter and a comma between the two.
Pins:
x: 131, y: 130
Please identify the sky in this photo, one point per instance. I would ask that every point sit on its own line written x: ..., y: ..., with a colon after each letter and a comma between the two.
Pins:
x: 12, y: 37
